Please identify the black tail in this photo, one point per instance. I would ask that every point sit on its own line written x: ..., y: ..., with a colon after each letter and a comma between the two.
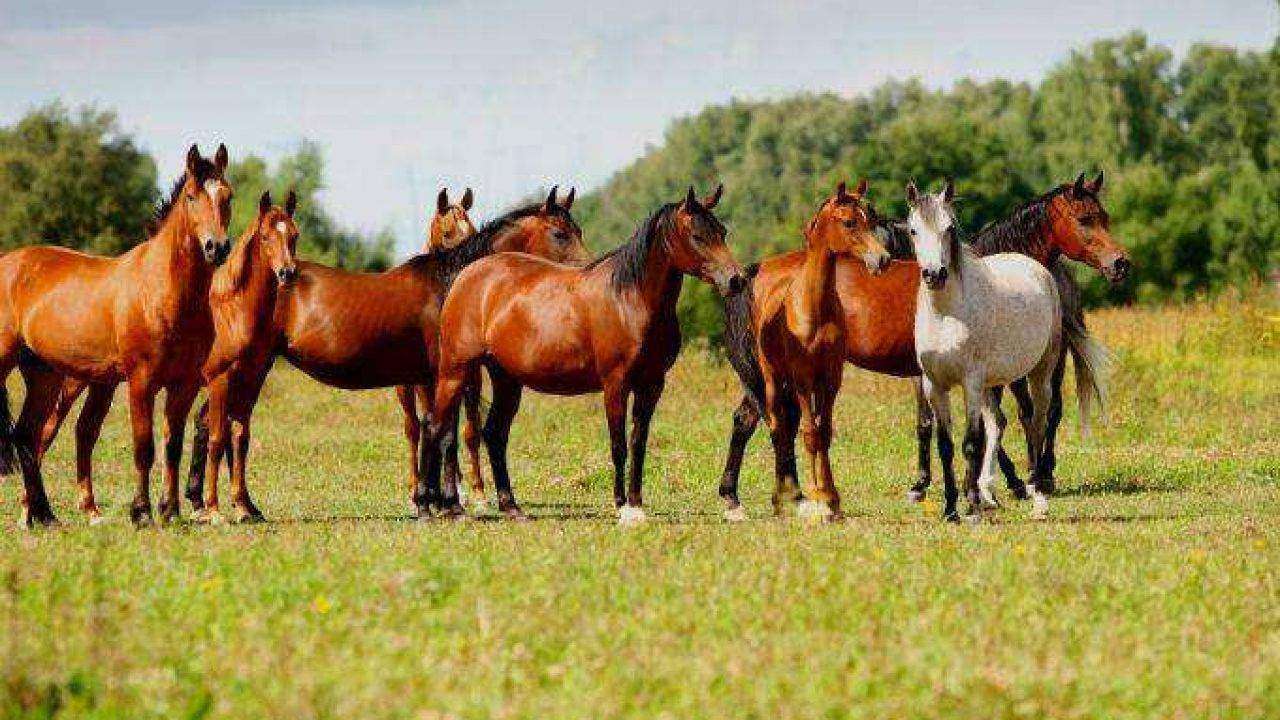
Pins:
x: 8, y: 450
x: 740, y: 340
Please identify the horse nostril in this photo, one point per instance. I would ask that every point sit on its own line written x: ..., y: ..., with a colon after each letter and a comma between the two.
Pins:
x: 1121, y: 268
x: 737, y: 283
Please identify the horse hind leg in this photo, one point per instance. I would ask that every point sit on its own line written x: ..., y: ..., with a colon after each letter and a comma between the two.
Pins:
x: 407, y: 395
x: 993, y: 423
x: 177, y: 405
x: 1040, y: 387
x: 745, y: 420
x: 88, y: 428
x: 472, y: 438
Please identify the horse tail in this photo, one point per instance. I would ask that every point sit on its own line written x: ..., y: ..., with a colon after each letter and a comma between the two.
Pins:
x: 1092, y: 362
x: 8, y: 449
x: 740, y: 340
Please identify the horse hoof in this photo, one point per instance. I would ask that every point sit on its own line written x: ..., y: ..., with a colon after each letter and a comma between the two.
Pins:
x: 515, y: 514
x: 208, y: 516
x: 973, y: 518
x: 29, y: 520
x: 736, y: 515
x: 97, y: 518
x: 1040, y: 508
x: 951, y: 517
x: 915, y: 496
x: 479, y: 504
x: 631, y: 515
x: 989, y: 501
x: 247, y: 516
x: 141, y: 516
x: 815, y: 511
x: 1047, y: 485
x: 1019, y: 491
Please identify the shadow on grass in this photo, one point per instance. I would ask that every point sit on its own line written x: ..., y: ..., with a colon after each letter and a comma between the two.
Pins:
x: 1116, y: 484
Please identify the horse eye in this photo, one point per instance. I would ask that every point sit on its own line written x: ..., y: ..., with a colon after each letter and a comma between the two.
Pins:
x: 849, y: 223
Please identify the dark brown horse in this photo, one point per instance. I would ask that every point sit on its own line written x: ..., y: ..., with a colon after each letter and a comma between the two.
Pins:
x: 141, y: 318
x: 610, y: 327
x: 1068, y: 221
x: 355, y: 331
x: 799, y: 329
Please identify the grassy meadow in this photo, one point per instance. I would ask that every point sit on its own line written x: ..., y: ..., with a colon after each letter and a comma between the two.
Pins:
x: 1152, y: 591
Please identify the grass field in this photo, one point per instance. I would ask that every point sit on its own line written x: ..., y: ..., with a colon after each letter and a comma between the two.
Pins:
x: 1153, y: 590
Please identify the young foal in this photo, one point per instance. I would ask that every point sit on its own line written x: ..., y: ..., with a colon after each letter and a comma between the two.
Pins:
x: 563, y: 330
x: 981, y: 323
x: 355, y: 331
x: 141, y: 318
x: 799, y: 329
x: 242, y: 301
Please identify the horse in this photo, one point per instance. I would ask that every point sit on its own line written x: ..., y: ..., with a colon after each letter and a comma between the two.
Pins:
x: 450, y: 225
x: 981, y: 323
x: 1067, y: 221
x: 140, y: 318
x: 356, y: 330
x: 607, y: 327
x: 799, y: 330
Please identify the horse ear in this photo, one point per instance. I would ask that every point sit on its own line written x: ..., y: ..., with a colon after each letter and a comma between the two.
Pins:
x: 193, y: 160
x: 1096, y: 187
x: 861, y: 190
x: 467, y: 199
x: 690, y: 200
x: 220, y: 158
x: 568, y: 199
x: 1078, y: 189
x: 715, y: 197
x: 841, y: 192
x: 264, y: 202
x: 442, y: 201
x: 551, y: 199
x: 913, y: 193
x: 949, y: 192
x: 291, y: 202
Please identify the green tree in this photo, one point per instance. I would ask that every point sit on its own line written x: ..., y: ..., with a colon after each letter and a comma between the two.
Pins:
x: 73, y: 180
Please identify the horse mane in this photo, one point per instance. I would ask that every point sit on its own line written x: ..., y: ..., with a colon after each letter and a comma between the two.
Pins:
x: 1022, y: 231
x: 893, y: 233
x: 630, y: 259
x: 164, y: 207
x: 231, y: 276
x: 446, y: 263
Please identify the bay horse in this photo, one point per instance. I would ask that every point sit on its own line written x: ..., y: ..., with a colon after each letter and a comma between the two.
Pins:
x: 1067, y: 221
x: 610, y: 326
x: 981, y: 323
x: 356, y: 330
x: 140, y: 318
x: 799, y: 330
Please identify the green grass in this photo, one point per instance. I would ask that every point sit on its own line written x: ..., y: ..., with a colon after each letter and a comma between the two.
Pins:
x: 1153, y: 590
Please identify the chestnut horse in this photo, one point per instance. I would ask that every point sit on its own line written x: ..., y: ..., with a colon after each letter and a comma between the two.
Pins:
x: 799, y: 330
x: 610, y: 326
x: 1068, y: 221
x: 141, y: 318
x: 355, y: 331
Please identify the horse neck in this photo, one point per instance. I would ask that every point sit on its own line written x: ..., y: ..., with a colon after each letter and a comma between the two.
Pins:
x: 1035, y: 241
x: 814, y: 286
x: 172, y: 253
x: 659, y: 289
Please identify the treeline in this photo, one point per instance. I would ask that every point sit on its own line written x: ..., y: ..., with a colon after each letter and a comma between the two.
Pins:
x: 77, y: 180
x: 1191, y: 150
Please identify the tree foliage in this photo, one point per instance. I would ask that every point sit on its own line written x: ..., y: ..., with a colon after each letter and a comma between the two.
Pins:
x: 73, y: 180
x: 1191, y: 150
x: 77, y: 180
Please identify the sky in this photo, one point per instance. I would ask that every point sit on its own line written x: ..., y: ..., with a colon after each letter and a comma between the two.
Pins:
x: 509, y: 98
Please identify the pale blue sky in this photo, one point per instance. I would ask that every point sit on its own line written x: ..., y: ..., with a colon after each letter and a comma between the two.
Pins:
x: 510, y: 97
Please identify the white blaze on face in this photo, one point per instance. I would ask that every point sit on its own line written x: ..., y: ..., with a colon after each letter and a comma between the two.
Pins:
x: 280, y: 227
x: 927, y: 242
x: 211, y: 188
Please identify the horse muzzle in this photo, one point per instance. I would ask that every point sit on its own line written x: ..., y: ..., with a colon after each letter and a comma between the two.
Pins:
x: 934, y: 279
x: 287, y: 274
x: 216, y: 252
x: 1118, y: 271
x: 729, y: 283
x: 876, y: 262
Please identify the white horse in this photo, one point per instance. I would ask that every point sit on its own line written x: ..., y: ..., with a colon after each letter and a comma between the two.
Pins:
x: 981, y: 323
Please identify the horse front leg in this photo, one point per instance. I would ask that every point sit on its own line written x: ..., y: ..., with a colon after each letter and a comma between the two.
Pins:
x: 783, y: 417
x: 824, y: 395
x: 993, y: 422
x: 43, y: 389
x: 177, y: 405
x: 940, y: 403
x: 642, y: 407
x: 142, y: 403
x: 210, y: 446
x: 924, y: 435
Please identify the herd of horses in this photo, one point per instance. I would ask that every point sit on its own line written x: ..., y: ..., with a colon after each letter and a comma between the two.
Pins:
x: 520, y: 300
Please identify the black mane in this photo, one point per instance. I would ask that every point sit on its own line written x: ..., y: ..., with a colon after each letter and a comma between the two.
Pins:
x: 446, y: 263
x: 631, y: 258
x: 1023, y: 230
